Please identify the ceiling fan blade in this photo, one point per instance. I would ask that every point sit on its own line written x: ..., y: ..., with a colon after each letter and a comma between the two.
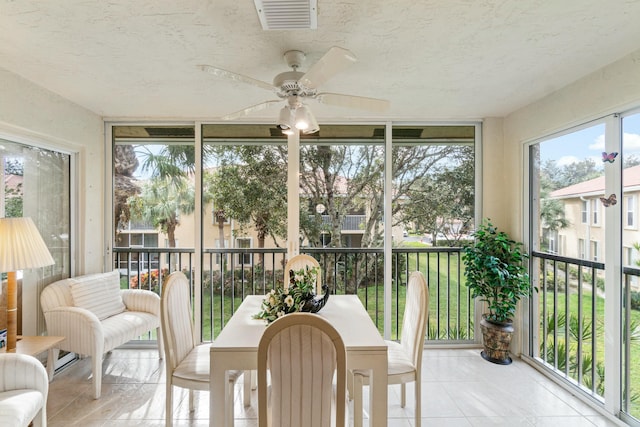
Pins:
x: 351, y: 101
x: 251, y: 109
x: 334, y: 61
x: 219, y: 72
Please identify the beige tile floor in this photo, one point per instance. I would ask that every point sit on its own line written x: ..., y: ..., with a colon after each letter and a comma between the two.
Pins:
x: 459, y: 389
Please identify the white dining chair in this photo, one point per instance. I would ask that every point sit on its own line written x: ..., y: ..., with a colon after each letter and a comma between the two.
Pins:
x: 302, y: 353
x: 298, y: 262
x: 405, y: 357
x: 188, y: 364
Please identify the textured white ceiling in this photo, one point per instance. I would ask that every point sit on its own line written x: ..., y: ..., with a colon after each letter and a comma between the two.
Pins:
x: 433, y: 59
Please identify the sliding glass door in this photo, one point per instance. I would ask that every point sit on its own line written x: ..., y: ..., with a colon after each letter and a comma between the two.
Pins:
x: 585, y: 243
x: 36, y: 184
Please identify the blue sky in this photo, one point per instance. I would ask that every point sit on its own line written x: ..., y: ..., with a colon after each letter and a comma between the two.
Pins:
x: 589, y: 143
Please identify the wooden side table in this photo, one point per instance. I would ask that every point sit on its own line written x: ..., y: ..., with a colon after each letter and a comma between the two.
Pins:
x: 34, y: 345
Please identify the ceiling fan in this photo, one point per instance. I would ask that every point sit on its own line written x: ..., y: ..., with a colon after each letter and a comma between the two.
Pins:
x: 295, y: 87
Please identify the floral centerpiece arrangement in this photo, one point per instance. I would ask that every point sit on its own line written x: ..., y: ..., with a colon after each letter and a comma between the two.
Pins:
x: 299, y: 296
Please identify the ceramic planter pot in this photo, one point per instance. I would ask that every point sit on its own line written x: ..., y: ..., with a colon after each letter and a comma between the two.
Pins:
x: 496, y: 338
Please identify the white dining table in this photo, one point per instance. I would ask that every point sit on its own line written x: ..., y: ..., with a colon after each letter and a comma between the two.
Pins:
x: 236, y: 348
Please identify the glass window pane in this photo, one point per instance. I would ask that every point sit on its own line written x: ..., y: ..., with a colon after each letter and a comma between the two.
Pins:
x: 434, y: 184
x: 571, y: 182
x: 153, y: 196
x: 567, y: 187
x: 36, y: 184
x: 244, y: 185
x: 631, y: 242
x: 341, y: 187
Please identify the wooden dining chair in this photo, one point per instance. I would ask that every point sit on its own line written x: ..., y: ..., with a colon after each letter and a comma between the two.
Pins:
x: 302, y: 353
x: 405, y: 357
x: 298, y: 262
x: 187, y: 363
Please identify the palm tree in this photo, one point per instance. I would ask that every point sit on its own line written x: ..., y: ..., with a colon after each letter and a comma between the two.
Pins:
x: 161, y: 202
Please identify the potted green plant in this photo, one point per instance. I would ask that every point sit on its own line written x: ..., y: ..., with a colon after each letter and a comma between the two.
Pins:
x: 496, y: 273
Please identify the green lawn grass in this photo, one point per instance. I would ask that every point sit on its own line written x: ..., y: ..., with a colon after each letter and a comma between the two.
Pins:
x: 449, y: 307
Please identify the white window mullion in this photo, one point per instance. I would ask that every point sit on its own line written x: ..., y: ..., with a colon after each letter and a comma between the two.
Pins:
x: 388, y: 239
x: 613, y: 269
x: 197, y: 232
x: 293, y: 194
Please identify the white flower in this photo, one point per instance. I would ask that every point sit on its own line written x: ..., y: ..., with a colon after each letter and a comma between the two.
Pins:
x: 272, y: 300
x: 280, y: 313
x: 288, y: 300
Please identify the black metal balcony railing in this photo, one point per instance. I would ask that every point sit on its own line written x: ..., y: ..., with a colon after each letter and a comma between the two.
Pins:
x: 229, y: 275
x: 571, y: 336
x: 569, y: 317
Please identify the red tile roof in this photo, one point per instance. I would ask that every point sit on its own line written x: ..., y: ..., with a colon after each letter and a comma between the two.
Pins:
x: 13, y: 181
x: 630, y: 178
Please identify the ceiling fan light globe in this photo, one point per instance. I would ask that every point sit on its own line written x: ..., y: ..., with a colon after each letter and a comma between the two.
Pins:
x: 284, y: 118
x: 313, y: 124
x: 302, y: 118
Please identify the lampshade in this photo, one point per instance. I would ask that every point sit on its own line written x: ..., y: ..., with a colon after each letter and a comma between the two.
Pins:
x: 21, y: 246
x: 284, y: 119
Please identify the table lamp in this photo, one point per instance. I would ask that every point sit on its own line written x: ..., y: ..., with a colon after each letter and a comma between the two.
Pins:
x: 21, y: 248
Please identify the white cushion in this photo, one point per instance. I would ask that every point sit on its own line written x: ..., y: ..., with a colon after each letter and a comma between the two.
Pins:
x: 19, y: 407
x: 98, y: 293
x: 195, y: 367
x: 399, y: 361
x: 127, y: 326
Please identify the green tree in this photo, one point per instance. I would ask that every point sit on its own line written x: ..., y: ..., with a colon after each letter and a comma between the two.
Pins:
x: 248, y: 184
x: 125, y: 164
x: 552, y: 177
x: 161, y: 201
x: 631, y: 160
x: 13, y: 206
x: 168, y: 168
x: 250, y: 187
x: 329, y: 176
x: 444, y: 196
x: 14, y: 167
x: 574, y: 173
x: 552, y: 215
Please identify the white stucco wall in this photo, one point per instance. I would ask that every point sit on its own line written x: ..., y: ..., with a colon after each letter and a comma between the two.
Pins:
x: 31, y: 114
x: 493, y: 203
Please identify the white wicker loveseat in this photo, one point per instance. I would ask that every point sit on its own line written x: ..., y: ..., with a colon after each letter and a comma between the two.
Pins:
x: 24, y: 387
x: 95, y: 316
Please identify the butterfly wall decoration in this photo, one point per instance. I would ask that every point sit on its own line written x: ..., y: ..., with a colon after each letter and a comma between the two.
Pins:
x: 609, y: 201
x: 609, y: 157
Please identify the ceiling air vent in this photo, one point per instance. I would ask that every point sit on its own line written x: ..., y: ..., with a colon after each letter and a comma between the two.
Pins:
x: 288, y: 14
